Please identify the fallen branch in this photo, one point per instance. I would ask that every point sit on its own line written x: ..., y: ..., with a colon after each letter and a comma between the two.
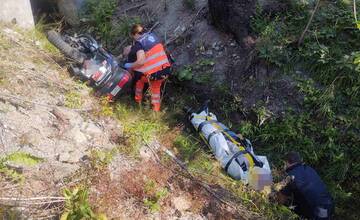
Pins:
x: 188, y: 175
x: 32, y: 201
x: 301, y: 39
x: 17, y: 105
x: 2, y: 131
x: 32, y: 198
x: 47, y: 217
x: 202, y: 184
x: 190, y: 23
x: 44, y: 80
x: 154, y: 26
x: 123, y: 42
x: 135, y: 7
x: 8, y: 98
x: 52, y: 60
x: 38, y: 203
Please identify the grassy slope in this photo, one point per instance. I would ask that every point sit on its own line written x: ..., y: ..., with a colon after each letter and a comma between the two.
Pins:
x: 326, y: 131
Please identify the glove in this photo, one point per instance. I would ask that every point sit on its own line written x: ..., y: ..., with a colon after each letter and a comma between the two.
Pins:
x: 128, y: 65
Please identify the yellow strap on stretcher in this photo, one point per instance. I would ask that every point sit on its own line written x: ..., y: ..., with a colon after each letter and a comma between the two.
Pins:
x: 206, y: 118
x: 242, y: 148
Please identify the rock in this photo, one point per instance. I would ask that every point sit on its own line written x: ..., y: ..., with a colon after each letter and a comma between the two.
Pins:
x: 92, y: 129
x: 209, y: 52
x: 68, y: 157
x: 78, y: 136
x: 118, y: 165
x: 145, y: 153
x: 181, y: 203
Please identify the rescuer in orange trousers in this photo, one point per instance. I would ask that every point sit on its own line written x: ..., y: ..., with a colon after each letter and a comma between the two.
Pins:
x: 149, y: 62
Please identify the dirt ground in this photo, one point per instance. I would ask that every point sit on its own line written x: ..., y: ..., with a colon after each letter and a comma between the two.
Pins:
x: 193, y: 40
x: 37, y: 118
x: 48, y: 115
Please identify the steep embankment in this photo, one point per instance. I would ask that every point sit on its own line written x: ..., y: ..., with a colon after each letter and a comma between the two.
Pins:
x: 56, y: 136
x: 45, y: 118
x: 281, y: 91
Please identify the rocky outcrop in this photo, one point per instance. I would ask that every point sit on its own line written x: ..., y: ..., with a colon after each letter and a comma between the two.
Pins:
x: 18, y: 12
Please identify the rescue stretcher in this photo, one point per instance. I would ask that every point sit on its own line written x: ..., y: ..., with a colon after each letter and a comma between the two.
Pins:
x: 234, y: 153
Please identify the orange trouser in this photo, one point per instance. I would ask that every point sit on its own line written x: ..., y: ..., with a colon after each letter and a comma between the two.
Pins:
x: 155, y: 87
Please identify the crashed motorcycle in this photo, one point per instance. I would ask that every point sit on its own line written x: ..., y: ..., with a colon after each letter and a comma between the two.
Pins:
x: 92, y: 63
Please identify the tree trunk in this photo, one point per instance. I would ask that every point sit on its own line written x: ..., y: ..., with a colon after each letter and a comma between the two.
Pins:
x: 232, y: 16
x: 69, y: 9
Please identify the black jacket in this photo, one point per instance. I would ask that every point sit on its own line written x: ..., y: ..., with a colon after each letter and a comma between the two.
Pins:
x: 308, y: 189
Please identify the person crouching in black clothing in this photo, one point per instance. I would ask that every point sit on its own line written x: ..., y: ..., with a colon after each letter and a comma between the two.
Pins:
x: 309, y: 193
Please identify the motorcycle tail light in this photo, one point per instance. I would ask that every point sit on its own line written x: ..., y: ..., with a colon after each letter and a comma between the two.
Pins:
x: 96, y: 76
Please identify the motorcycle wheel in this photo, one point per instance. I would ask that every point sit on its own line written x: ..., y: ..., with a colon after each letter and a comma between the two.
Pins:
x: 73, y: 53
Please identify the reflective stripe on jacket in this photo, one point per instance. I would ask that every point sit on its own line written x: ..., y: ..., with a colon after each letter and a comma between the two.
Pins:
x: 156, y: 58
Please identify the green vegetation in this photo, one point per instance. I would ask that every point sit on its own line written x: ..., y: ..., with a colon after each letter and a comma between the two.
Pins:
x: 139, y: 133
x: 123, y: 27
x: 100, y: 13
x: 3, y: 78
x: 326, y: 131
x: 38, y: 35
x: 201, y: 67
x: 140, y: 125
x: 154, y: 196
x: 184, y: 74
x: 202, y: 165
x: 73, y: 100
x: 204, y: 69
x: 99, y: 159
x: 17, y: 158
x: 106, y: 109
x: 4, y: 42
x: 186, y: 146
x: 77, y: 206
x: 9, y: 213
x: 326, y: 66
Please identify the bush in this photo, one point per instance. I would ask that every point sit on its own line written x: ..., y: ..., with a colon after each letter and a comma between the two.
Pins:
x: 101, y: 12
x: 77, y: 205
